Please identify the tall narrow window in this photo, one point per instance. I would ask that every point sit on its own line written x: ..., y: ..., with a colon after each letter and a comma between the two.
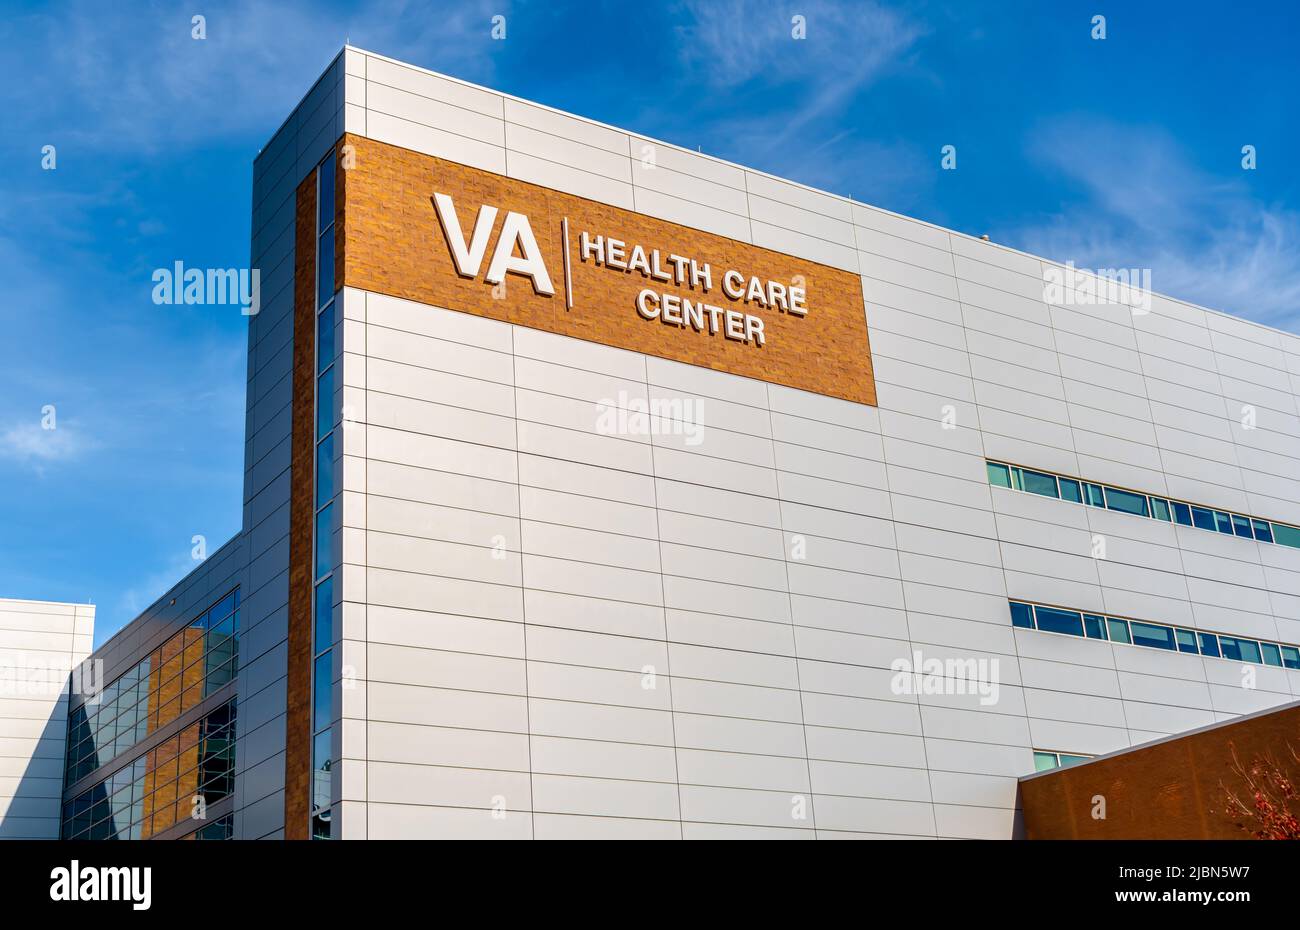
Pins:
x: 326, y: 487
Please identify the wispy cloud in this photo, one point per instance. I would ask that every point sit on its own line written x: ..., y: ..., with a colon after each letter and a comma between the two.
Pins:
x: 1142, y: 203
x: 782, y: 95
x: 732, y: 42
x: 150, y: 587
x: 137, y: 79
x: 37, y: 444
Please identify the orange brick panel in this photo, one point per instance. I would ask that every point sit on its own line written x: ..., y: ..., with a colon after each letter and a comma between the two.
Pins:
x: 1175, y: 789
x: 391, y: 242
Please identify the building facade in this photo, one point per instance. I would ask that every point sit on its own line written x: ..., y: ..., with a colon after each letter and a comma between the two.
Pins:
x: 41, y: 642
x: 599, y: 488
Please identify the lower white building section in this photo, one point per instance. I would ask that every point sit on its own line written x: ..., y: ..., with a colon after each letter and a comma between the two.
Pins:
x: 40, y: 643
x: 560, y: 622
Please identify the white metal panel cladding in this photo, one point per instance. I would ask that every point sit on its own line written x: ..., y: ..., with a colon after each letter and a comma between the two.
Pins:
x: 694, y: 639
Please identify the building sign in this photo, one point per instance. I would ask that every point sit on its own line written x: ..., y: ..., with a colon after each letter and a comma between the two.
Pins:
x: 456, y: 237
x: 675, y: 309
x: 669, y: 307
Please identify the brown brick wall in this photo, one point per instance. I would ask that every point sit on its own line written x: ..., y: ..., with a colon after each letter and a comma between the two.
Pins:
x: 392, y: 243
x: 1171, y: 790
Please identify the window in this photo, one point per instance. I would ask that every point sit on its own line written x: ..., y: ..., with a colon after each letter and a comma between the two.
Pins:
x: 325, y: 206
x: 1054, y: 620
x: 325, y: 338
x: 321, y: 770
x: 325, y: 268
x: 999, y: 475
x: 322, y: 706
x: 1240, y: 650
x: 327, y: 486
x: 153, y: 793
x: 1022, y: 615
x: 1249, y: 650
x: 1153, y: 635
x: 324, y: 563
x: 1046, y: 760
x: 1148, y: 634
x: 325, y: 403
x: 323, y: 636
x: 1132, y: 502
x: 1126, y: 501
x: 192, y: 664
x: 1035, y: 482
x: 325, y: 202
x: 325, y: 470
x: 320, y: 825
x: 1286, y: 535
x: 222, y: 828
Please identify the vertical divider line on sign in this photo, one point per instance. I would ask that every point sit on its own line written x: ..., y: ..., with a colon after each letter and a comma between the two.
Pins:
x: 568, y: 273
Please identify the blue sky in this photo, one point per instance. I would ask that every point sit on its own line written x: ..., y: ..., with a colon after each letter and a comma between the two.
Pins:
x: 1124, y: 152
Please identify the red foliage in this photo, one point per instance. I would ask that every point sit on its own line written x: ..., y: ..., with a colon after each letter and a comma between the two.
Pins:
x: 1272, y: 798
